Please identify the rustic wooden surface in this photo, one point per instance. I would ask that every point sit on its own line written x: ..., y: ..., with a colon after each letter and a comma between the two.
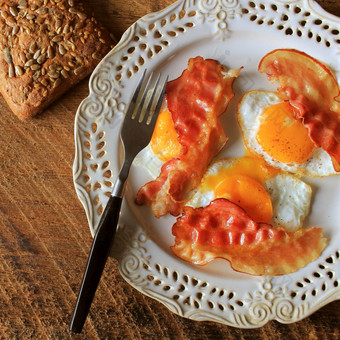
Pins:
x: 44, y: 237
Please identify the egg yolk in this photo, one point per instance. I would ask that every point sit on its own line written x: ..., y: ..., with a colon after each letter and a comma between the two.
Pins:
x: 164, y: 142
x: 249, y: 165
x: 282, y: 136
x: 248, y: 194
x: 241, y: 183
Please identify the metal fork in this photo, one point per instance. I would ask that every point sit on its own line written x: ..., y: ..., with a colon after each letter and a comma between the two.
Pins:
x: 136, y: 132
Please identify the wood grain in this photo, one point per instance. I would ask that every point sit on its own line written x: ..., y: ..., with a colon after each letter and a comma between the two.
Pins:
x: 45, y: 238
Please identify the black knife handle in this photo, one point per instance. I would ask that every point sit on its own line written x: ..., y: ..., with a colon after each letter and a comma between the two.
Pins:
x: 96, y: 262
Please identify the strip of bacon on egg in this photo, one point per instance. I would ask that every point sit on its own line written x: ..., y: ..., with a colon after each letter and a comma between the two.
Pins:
x: 195, y: 100
x: 323, y: 126
x: 224, y: 230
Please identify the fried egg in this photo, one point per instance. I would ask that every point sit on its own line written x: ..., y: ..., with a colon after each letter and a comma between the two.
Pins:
x: 270, y: 131
x: 265, y: 193
x: 163, y: 146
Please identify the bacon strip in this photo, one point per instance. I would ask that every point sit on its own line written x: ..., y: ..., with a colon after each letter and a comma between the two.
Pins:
x: 323, y: 126
x: 223, y: 229
x: 195, y: 100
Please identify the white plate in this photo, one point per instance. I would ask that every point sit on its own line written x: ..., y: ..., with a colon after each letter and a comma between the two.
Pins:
x: 236, y: 33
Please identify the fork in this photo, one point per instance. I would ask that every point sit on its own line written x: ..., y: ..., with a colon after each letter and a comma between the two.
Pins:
x: 136, y: 132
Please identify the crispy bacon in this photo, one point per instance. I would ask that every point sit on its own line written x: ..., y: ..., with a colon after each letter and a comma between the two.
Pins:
x: 224, y: 230
x: 313, y: 91
x: 195, y: 100
x: 323, y: 126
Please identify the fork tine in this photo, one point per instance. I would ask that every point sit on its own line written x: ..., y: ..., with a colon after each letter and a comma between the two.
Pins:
x: 154, y: 115
x: 148, y: 109
x: 141, y: 104
x: 133, y: 101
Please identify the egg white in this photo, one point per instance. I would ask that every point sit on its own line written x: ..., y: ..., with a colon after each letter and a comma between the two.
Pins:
x: 149, y: 161
x: 250, y: 108
x: 290, y: 196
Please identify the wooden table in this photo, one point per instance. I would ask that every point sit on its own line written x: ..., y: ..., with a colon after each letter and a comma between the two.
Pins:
x: 44, y: 236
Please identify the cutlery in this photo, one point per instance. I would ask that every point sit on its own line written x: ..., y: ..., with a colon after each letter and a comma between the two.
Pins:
x: 136, y: 132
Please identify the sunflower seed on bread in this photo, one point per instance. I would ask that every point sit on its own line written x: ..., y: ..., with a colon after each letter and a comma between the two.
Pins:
x: 46, y: 47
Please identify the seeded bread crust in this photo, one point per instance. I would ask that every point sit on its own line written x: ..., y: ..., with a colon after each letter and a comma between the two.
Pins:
x: 46, y: 47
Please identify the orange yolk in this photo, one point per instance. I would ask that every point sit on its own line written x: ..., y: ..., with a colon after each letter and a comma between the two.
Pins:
x: 283, y: 137
x: 241, y: 183
x: 164, y: 142
x: 249, y: 195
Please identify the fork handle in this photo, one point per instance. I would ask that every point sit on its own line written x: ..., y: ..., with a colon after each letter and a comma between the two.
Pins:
x: 96, y: 262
